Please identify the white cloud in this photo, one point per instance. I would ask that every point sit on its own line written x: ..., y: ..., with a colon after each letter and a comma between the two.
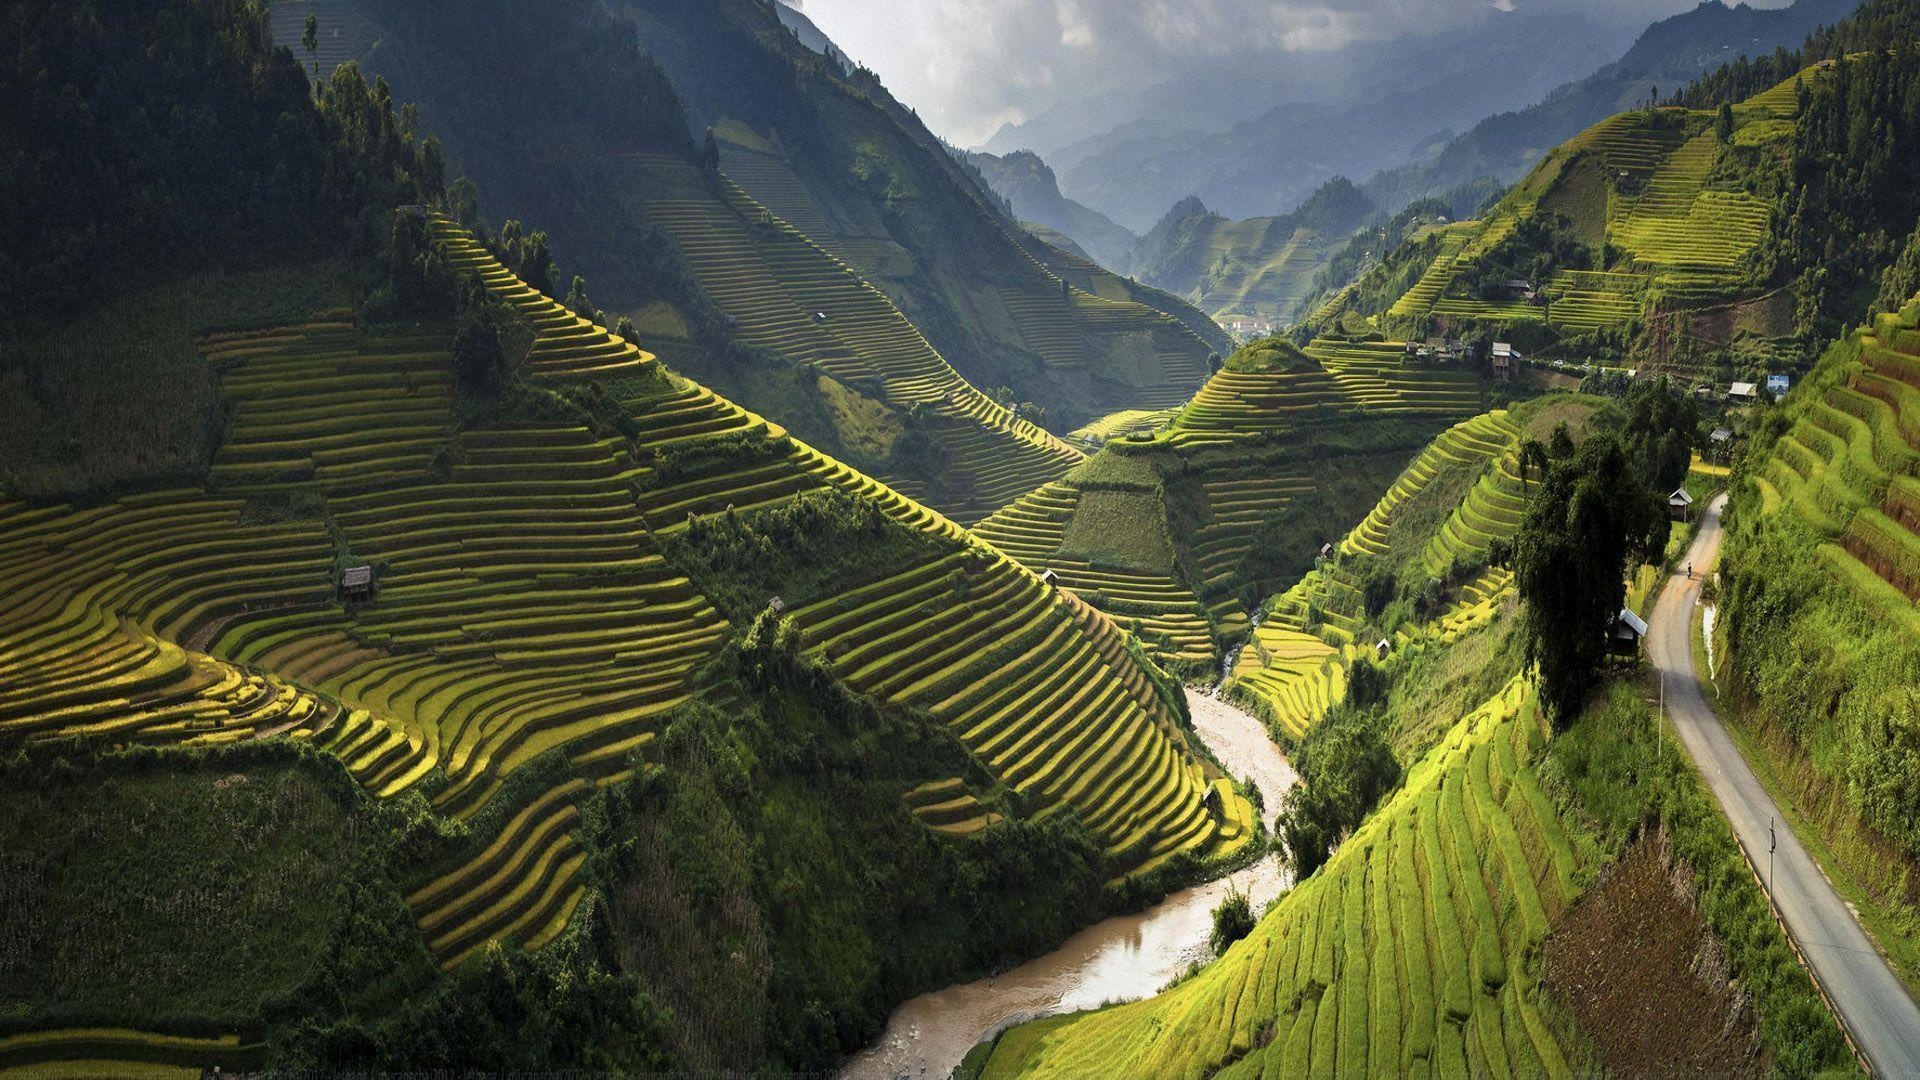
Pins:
x: 969, y: 65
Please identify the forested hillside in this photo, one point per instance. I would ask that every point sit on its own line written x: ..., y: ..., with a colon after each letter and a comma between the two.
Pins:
x: 270, y: 182
x: 857, y: 172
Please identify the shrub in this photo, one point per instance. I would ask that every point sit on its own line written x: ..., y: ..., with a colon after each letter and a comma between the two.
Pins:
x: 1232, y: 920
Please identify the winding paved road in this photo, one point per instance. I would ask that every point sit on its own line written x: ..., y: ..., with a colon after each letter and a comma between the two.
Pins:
x: 1881, y: 1015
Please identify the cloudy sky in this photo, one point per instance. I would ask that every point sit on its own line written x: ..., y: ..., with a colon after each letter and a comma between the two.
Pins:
x: 970, y: 65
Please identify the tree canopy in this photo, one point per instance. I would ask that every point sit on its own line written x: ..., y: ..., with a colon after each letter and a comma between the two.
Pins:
x: 1592, y: 515
x: 242, y: 159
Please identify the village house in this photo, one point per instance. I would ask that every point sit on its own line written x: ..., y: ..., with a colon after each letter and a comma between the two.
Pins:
x: 1505, y: 359
x: 1247, y: 326
x: 1720, y: 444
x: 1679, y: 505
x: 1623, y: 638
x: 357, y: 585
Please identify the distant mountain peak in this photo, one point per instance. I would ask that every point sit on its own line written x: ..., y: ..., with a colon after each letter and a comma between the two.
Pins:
x: 1191, y: 206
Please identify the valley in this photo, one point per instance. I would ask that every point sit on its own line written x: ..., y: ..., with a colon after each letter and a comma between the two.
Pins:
x: 1122, y: 958
x: 592, y: 538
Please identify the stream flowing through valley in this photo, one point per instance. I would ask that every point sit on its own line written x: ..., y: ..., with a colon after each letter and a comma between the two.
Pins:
x: 1117, y: 959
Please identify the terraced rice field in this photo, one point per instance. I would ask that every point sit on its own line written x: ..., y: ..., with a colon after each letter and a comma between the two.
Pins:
x: 522, y: 608
x: 1487, y: 310
x: 1580, y: 301
x: 948, y: 808
x: 1295, y: 667
x: 1694, y: 237
x: 1419, y: 299
x: 1784, y: 100
x: 1378, y: 377
x: 1631, y: 147
x: 1297, y: 676
x: 1165, y: 615
x: 1680, y: 234
x: 1413, y: 952
x: 1046, y: 321
x: 1846, y: 465
x: 1041, y: 692
x: 772, y: 183
x: 1237, y: 509
x: 1492, y: 510
x: 525, y: 610
x: 1179, y: 357
x: 119, y: 1052
x: 1470, y: 442
x: 1118, y: 425
x: 788, y: 295
x: 564, y: 343
x: 1234, y: 404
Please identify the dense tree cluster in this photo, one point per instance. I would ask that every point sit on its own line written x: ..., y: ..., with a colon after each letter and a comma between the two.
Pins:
x: 1346, y: 767
x: 1540, y: 245
x: 164, y: 135
x: 1598, y: 510
x: 1854, y: 193
x: 1740, y: 79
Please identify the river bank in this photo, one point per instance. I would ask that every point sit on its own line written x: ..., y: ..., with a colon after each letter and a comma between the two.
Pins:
x: 1116, y: 959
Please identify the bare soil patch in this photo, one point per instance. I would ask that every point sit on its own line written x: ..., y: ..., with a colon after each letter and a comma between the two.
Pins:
x: 1635, y: 963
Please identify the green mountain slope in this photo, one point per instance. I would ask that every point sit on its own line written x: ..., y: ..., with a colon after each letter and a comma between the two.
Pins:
x: 1671, y: 53
x: 1644, y: 238
x: 1180, y: 530
x: 1261, y: 267
x: 1418, y: 949
x: 858, y: 173
x: 1818, y: 625
x: 663, y: 740
x: 710, y: 276
x: 553, y: 596
x: 1033, y: 193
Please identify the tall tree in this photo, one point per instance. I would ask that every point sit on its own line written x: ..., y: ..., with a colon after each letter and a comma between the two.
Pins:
x: 1592, y: 516
x: 310, y: 41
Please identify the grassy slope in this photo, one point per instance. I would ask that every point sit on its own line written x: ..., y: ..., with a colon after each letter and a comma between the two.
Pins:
x: 1817, y: 635
x: 171, y: 892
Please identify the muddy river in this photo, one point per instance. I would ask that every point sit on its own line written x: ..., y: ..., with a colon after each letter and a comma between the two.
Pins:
x: 1118, y: 959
